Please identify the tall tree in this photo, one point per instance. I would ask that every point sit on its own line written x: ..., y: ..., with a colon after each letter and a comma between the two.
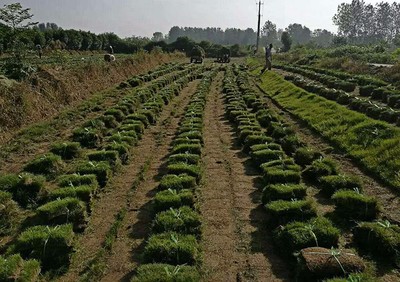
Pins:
x: 299, y: 34
x: 286, y: 41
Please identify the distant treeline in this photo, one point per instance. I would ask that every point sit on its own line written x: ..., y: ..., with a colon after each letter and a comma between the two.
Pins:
x: 366, y: 23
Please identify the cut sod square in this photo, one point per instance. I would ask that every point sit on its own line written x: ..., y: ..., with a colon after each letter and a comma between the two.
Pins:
x: 102, y: 170
x: 61, y: 211
x: 66, y: 150
x: 117, y: 114
x: 276, y: 175
x: 167, y: 199
x: 265, y: 146
x: 284, y: 191
x: 177, y: 182
x: 282, y: 212
x: 122, y: 139
x: 317, y: 232
x: 88, y: 137
x: 157, y: 272
x: 52, y: 246
x: 183, y: 220
x: 353, y: 205
x: 254, y: 140
x: 49, y: 165
x: 172, y: 248
x: 123, y: 151
x: 267, y: 155
x: 319, y: 168
x: 318, y: 264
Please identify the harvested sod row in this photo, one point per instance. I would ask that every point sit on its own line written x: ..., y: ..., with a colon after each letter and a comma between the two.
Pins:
x: 176, y: 229
x: 69, y: 207
x: 277, y: 179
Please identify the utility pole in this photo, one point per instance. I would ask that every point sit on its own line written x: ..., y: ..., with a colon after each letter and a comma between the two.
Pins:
x: 259, y: 25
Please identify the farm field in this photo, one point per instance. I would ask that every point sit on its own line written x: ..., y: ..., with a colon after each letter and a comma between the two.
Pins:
x: 209, y: 172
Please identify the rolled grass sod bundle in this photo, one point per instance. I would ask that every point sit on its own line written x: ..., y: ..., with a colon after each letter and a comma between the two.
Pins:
x: 193, y: 159
x: 117, y: 114
x: 187, y: 149
x: 112, y: 157
x: 157, y: 272
x: 183, y: 220
x: 283, y: 212
x: 177, y: 182
x: 333, y: 183
x: 353, y: 205
x: 267, y: 155
x: 172, y: 248
x: 167, y: 199
x: 254, y: 140
x: 14, y: 268
x: 317, y: 232
x: 83, y: 193
x: 320, y: 167
x: 305, y: 156
x: 66, y: 150
x: 49, y: 165
x: 52, y: 246
x: 270, y: 146
x: 102, y: 170
x: 122, y: 139
x: 123, y: 151
x: 61, y: 211
x: 285, y: 191
x: 9, y: 213
x: 183, y: 168
x: 379, y: 238
x: 73, y: 180
x: 275, y: 175
x: 316, y: 263
x: 88, y: 137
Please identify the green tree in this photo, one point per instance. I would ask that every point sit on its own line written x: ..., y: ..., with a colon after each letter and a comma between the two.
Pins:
x: 286, y: 41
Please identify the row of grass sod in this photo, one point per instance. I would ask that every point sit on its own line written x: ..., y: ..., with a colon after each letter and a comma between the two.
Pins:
x: 374, y: 144
x: 68, y: 203
x: 172, y: 251
x: 378, y: 238
x: 284, y: 198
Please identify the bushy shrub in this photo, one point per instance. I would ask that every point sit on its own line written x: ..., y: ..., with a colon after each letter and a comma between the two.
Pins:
x: 177, y: 182
x: 60, y: 211
x: 167, y: 199
x: 353, y: 205
x: 283, y: 192
x: 102, y: 171
x: 183, y: 220
x: 9, y: 213
x: 49, y: 165
x: 379, y: 238
x: 52, y: 246
x: 172, y: 248
x: 332, y: 183
x: 317, y: 232
x: 66, y: 150
x: 282, y: 212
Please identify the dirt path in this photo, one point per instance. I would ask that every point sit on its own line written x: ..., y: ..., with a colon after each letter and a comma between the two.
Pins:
x: 235, y: 244
x: 151, y: 150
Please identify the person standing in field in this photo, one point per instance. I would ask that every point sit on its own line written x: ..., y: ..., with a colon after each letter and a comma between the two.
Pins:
x: 268, y: 57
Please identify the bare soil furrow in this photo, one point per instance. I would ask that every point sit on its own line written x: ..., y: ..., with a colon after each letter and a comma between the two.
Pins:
x: 236, y: 246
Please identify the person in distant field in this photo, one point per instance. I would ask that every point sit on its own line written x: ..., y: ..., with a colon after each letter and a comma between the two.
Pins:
x: 39, y: 50
x: 110, y: 50
x: 268, y: 57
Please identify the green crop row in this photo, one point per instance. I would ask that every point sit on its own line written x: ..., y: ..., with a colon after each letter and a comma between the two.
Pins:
x: 287, y: 168
x: 172, y: 251
x: 98, y: 149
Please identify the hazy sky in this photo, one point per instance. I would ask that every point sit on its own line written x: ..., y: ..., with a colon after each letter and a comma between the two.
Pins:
x: 143, y: 17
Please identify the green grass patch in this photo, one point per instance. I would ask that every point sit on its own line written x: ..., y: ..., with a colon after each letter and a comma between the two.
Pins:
x: 157, y: 272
